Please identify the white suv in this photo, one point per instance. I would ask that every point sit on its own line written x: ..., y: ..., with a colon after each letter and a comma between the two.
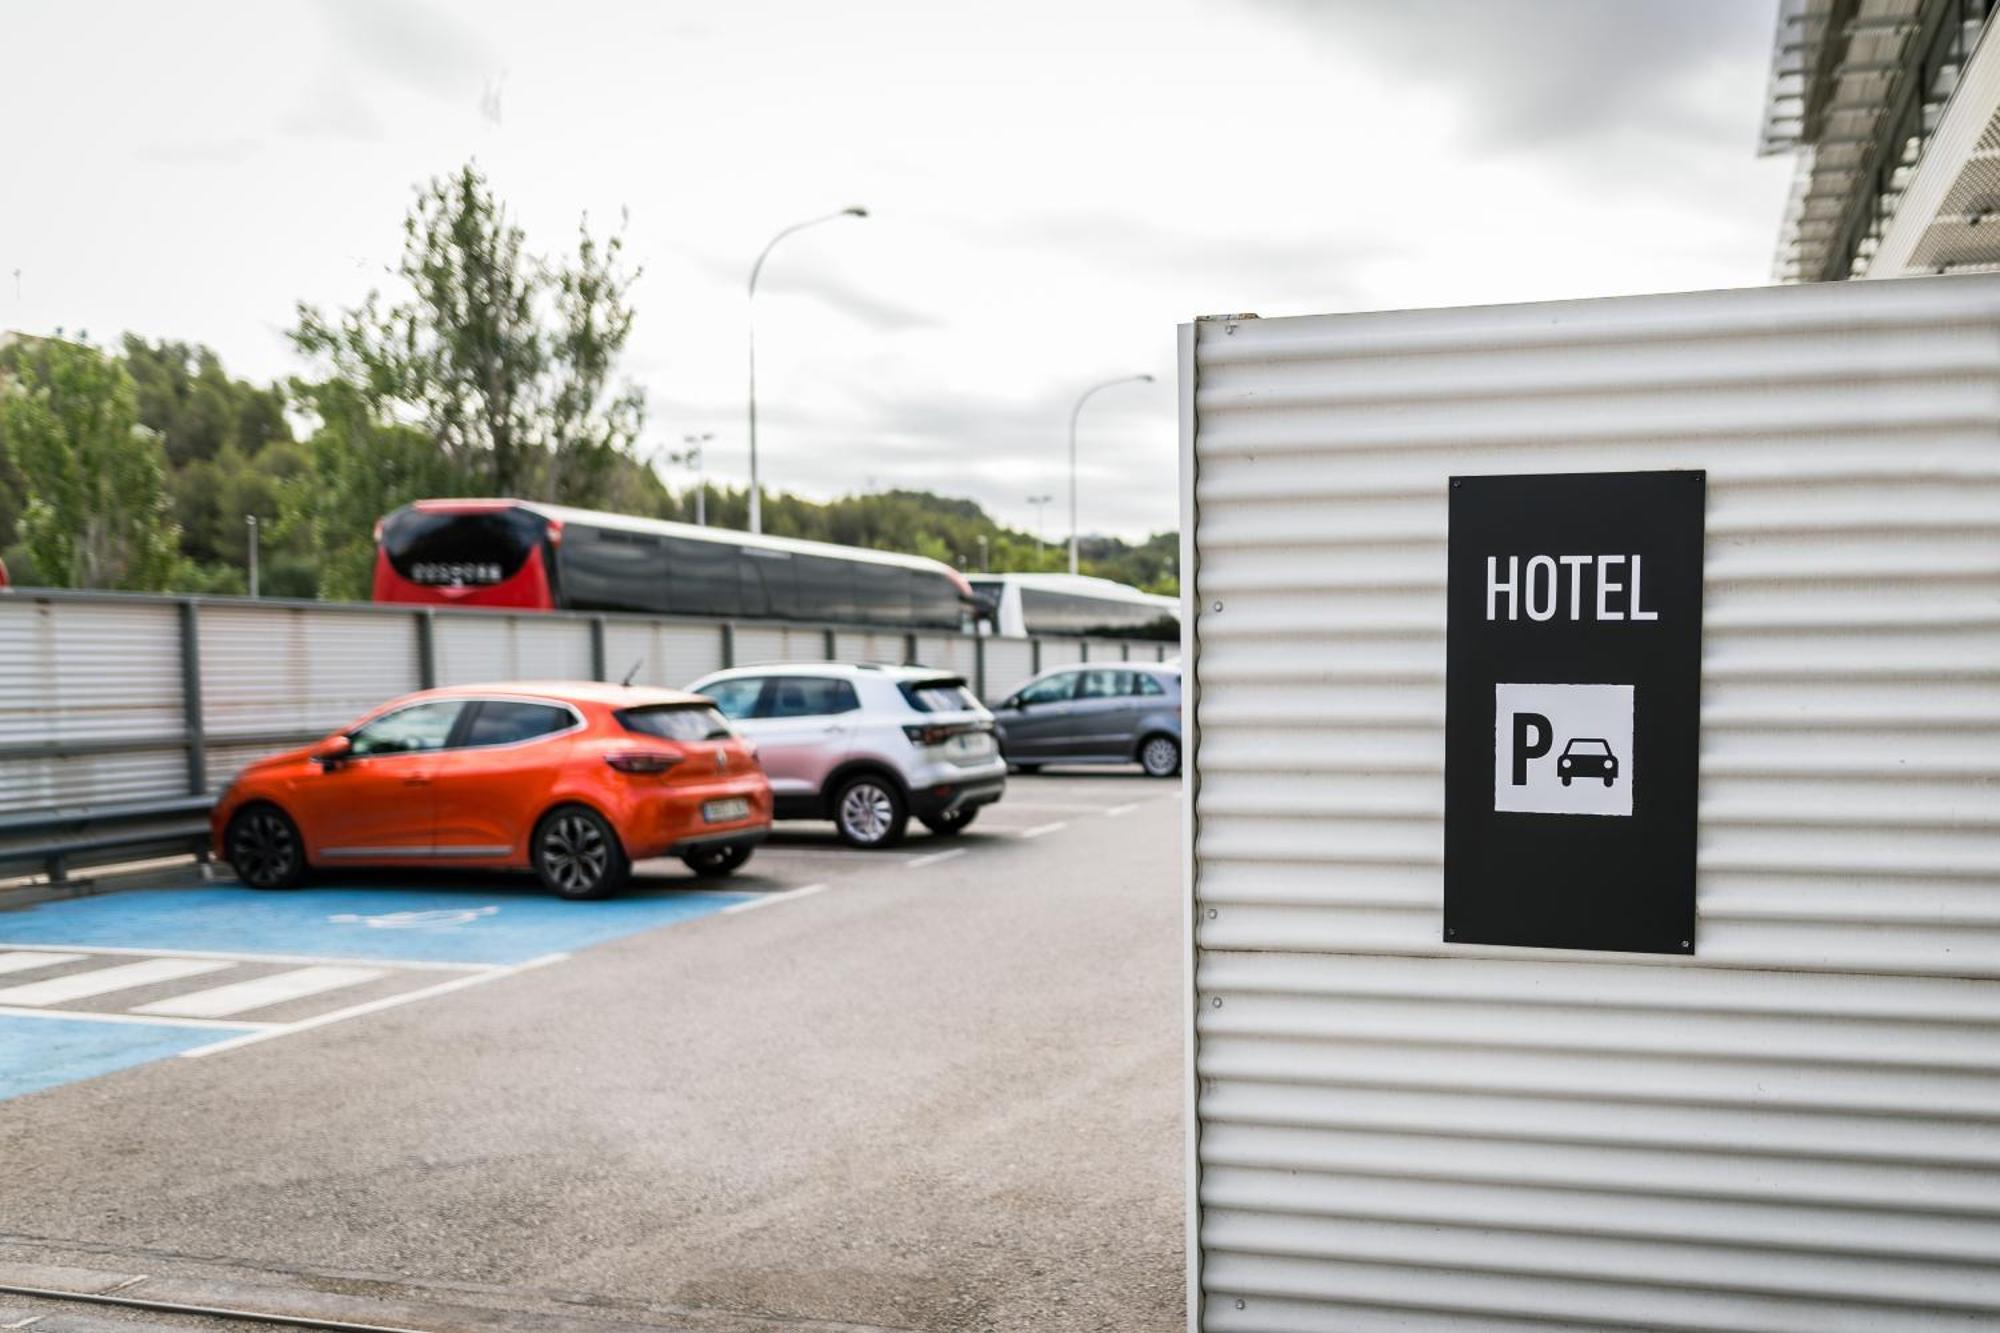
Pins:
x: 865, y: 746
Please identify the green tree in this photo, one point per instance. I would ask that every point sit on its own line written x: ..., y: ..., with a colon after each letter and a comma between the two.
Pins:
x: 505, y: 361
x: 186, y: 397
x: 96, y: 513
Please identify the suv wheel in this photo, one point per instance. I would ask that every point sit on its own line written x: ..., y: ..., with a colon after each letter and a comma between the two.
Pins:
x: 264, y: 847
x: 717, y: 861
x: 948, y: 822
x: 1160, y: 756
x: 870, y: 812
x: 577, y: 854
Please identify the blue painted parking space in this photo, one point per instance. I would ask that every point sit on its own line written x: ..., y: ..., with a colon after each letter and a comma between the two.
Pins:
x: 495, y: 924
x: 37, y: 1053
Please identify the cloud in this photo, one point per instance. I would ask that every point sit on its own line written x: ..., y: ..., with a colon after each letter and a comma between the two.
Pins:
x: 1539, y: 72
x: 882, y: 315
x: 413, y: 43
x: 333, y: 109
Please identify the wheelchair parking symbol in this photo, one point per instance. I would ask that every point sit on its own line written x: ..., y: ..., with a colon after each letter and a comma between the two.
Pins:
x: 440, y: 919
x: 1563, y: 749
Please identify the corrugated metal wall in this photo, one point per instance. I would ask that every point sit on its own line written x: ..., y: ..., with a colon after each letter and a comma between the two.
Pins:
x: 473, y: 648
x: 1009, y: 663
x: 1797, y: 1129
x: 669, y: 653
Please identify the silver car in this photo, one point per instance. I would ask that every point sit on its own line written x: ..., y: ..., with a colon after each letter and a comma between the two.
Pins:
x: 1124, y: 714
x: 865, y: 746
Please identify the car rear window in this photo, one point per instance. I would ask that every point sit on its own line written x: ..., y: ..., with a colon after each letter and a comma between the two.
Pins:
x: 675, y: 722
x: 947, y: 695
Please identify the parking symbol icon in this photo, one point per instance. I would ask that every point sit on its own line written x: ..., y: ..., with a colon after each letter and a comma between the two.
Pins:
x: 1563, y: 749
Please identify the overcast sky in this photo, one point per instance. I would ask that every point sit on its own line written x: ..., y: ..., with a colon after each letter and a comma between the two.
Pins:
x: 1053, y: 186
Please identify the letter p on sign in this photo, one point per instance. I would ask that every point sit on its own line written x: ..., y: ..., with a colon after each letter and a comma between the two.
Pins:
x: 1563, y: 749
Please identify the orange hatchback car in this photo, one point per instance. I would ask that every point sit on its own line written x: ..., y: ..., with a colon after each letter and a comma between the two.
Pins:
x: 575, y: 781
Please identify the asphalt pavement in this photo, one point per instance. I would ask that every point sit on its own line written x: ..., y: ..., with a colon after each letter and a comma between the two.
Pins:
x: 934, y: 1088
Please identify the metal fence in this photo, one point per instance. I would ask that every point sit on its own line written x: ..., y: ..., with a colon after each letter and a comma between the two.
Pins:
x: 111, y: 702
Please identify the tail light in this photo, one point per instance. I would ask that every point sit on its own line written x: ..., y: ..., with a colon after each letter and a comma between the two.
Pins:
x: 937, y: 733
x: 643, y: 761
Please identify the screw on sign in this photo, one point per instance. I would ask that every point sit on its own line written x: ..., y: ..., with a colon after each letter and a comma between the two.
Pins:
x: 1572, y: 689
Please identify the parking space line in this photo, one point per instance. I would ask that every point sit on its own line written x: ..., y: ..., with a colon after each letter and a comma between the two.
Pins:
x: 27, y: 960
x: 1125, y: 809
x: 934, y: 858
x: 243, y: 996
x: 1044, y: 828
x: 104, y: 980
x: 302, y: 960
x: 371, y: 1007
x: 765, y: 900
x: 144, y: 1020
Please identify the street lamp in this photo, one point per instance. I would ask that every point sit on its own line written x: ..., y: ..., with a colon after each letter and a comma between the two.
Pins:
x: 1041, y: 503
x: 694, y: 458
x: 756, y: 509
x: 1076, y: 412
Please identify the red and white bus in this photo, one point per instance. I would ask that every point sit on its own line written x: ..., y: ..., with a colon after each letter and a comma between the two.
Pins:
x: 519, y: 553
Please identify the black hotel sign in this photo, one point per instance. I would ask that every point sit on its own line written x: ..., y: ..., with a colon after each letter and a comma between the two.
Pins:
x: 1573, y: 710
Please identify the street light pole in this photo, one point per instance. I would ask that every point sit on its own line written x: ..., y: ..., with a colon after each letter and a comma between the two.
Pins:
x: 251, y: 520
x: 695, y: 456
x: 1076, y: 412
x: 756, y: 508
x: 1041, y: 504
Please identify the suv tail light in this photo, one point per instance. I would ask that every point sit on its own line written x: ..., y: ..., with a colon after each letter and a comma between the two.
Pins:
x: 937, y: 733
x: 643, y: 761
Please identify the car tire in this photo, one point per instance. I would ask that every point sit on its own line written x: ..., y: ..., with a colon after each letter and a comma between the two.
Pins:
x: 1027, y: 768
x: 1160, y: 756
x: 715, y: 862
x: 870, y: 812
x: 263, y: 846
x: 950, y: 823
x: 577, y: 854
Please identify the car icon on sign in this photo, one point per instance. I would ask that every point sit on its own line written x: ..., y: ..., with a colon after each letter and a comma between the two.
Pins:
x: 1587, y: 756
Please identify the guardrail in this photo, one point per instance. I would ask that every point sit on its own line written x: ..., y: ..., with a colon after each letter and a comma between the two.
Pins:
x: 120, y: 712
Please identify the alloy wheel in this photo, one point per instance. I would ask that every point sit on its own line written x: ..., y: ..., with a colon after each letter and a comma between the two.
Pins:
x: 867, y: 812
x: 1160, y: 757
x: 574, y: 853
x: 263, y: 847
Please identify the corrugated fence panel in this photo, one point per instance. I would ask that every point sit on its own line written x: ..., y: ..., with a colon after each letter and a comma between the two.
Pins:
x: 1794, y: 1130
x: 1009, y: 663
x: 1061, y: 652
x: 776, y: 643
x: 669, y: 653
x: 475, y: 648
x: 300, y: 669
x: 869, y: 646
x: 89, y: 670
x: 76, y: 781
x: 948, y: 652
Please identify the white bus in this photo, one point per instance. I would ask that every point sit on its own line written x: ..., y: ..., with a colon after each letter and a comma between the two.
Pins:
x: 1019, y: 605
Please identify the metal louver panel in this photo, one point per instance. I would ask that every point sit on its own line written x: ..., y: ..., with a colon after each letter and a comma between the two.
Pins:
x: 772, y: 643
x: 472, y: 647
x: 77, y: 781
x: 279, y: 669
x: 869, y: 646
x: 1009, y: 663
x: 1061, y: 652
x: 669, y: 653
x: 947, y: 652
x: 86, y: 670
x: 1791, y: 1131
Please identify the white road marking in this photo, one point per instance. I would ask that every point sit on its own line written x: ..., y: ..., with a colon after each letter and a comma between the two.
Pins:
x: 765, y: 900
x: 104, y: 980
x: 299, y: 959
x: 935, y: 857
x: 27, y: 959
x: 243, y: 996
x: 371, y: 1007
x: 235, y: 1025
x: 1118, y: 810
x: 1044, y: 828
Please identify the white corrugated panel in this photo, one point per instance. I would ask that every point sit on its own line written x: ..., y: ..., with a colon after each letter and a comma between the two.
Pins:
x: 1009, y: 663
x: 87, y: 670
x: 275, y: 669
x: 669, y: 653
x: 1105, y: 650
x: 778, y: 643
x: 472, y: 647
x: 869, y: 646
x: 77, y: 781
x: 1795, y: 1129
x: 1061, y: 652
x: 948, y: 652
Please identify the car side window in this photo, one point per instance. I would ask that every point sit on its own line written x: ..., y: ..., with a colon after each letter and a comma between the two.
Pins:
x: 1147, y: 684
x: 407, y: 730
x: 510, y: 721
x: 809, y: 696
x: 1104, y: 683
x: 736, y: 698
x: 1050, y: 689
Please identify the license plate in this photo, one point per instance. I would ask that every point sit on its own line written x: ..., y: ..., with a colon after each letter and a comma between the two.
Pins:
x: 721, y: 812
x: 972, y: 745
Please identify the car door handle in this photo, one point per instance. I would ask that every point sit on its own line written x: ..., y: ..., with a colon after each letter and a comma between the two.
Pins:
x: 834, y: 730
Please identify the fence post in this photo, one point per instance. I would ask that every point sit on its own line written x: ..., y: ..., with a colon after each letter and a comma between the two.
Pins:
x: 191, y: 714
x: 597, y: 648
x: 1035, y: 656
x: 427, y: 673
x: 1083, y: 649
x: 909, y: 650
x: 832, y: 647
x: 1125, y: 651
x: 728, y: 644
x: 979, y: 666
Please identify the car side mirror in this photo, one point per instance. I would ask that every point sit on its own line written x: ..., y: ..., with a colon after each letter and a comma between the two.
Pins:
x: 1017, y: 703
x: 333, y: 752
